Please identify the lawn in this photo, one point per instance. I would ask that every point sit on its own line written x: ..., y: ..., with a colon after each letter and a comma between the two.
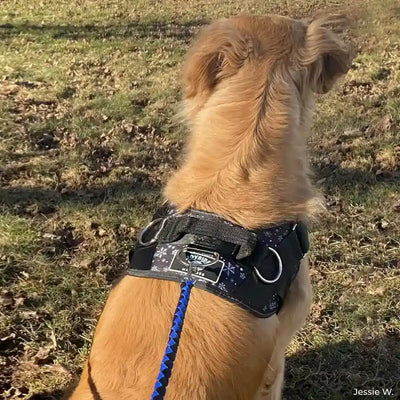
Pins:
x: 88, y: 94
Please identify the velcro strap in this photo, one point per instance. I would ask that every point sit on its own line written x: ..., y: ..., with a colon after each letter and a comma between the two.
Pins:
x: 211, y: 226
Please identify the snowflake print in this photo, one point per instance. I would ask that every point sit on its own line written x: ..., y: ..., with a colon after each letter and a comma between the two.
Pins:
x: 242, y: 275
x: 230, y: 269
x: 222, y: 287
x: 273, y: 305
x: 161, y: 253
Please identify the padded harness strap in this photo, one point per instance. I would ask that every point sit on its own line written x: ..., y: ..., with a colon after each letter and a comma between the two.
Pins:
x: 211, y: 226
x: 267, y: 260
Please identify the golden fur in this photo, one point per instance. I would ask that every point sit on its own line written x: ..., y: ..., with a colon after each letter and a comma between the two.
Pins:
x: 248, y: 84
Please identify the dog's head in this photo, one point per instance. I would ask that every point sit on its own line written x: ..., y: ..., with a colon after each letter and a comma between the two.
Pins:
x: 311, y: 55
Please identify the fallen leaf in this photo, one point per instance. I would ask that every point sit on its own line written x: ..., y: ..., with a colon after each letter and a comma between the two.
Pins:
x: 41, y: 355
x: 387, y: 123
x: 30, y: 314
x: 101, y: 232
x: 19, y: 301
x: 6, y: 299
x: 382, y: 225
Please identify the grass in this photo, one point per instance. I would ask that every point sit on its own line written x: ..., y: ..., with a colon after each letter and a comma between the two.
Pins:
x: 88, y: 92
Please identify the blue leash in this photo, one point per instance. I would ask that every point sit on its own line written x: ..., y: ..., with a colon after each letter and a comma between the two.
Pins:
x: 172, y: 347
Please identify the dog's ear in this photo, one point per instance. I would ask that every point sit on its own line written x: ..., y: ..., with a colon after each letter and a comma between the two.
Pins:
x: 219, y: 52
x: 325, y: 54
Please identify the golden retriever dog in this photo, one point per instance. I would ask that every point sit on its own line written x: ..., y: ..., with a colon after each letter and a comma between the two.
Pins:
x: 248, y: 85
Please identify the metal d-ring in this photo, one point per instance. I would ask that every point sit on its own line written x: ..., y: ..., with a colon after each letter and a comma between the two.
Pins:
x: 280, y: 266
x: 146, y: 229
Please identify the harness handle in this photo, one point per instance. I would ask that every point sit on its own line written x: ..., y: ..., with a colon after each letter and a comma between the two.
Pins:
x: 208, y: 225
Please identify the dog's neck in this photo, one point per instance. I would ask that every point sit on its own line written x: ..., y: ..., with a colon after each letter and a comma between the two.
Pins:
x: 246, y: 156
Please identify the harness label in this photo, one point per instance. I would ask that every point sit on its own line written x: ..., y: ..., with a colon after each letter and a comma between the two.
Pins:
x: 205, y: 265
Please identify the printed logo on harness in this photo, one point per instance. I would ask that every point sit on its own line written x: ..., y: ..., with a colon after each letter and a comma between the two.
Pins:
x: 206, y: 265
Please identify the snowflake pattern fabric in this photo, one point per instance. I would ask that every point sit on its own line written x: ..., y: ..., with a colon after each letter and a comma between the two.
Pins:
x: 232, y: 274
x: 224, y: 275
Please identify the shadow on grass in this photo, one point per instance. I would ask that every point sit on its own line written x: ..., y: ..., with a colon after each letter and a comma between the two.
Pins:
x: 39, y: 200
x: 182, y: 31
x: 42, y: 201
x: 54, y: 395
x: 332, y: 176
x: 334, y: 371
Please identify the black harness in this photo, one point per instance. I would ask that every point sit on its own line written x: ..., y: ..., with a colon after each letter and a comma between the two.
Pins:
x: 251, y: 268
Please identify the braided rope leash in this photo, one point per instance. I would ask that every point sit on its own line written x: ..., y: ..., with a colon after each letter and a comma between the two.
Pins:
x: 167, y: 362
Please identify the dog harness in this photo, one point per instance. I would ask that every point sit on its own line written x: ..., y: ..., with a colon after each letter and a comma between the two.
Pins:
x: 250, y: 268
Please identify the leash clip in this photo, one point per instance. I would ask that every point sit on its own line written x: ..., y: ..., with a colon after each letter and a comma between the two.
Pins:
x: 189, y: 276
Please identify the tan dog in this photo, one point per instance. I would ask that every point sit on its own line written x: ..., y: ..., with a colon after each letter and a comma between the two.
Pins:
x: 248, y: 84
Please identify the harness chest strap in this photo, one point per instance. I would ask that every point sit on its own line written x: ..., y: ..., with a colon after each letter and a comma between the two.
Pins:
x: 251, y: 268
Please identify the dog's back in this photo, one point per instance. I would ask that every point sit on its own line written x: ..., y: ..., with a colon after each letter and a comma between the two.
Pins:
x: 223, y: 349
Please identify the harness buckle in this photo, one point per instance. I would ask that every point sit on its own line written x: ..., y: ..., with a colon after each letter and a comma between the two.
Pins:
x: 141, y: 240
x: 280, y: 268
